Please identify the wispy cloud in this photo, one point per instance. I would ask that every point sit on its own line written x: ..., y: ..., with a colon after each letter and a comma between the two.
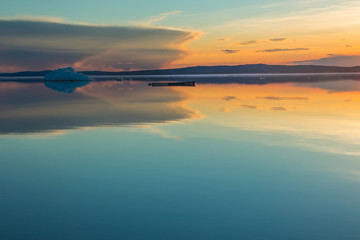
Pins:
x: 334, y: 60
x: 222, y: 39
x: 249, y: 42
x: 277, y: 39
x: 161, y: 17
x: 283, y: 98
x: 305, y: 21
x: 283, y: 50
x: 229, y: 51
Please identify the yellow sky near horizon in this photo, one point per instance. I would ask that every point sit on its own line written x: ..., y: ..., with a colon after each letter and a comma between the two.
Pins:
x: 309, y: 35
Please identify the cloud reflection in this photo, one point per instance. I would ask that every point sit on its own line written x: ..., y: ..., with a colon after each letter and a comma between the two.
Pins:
x: 31, y: 108
x: 278, y: 108
x: 317, y: 120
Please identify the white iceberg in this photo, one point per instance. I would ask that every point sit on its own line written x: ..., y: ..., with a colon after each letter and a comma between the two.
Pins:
x: 66, y: 74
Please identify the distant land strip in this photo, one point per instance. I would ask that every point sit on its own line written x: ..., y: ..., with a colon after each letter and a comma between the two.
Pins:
x: 250, y: 68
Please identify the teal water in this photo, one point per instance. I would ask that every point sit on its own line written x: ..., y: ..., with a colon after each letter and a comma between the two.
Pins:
x: 121, y: 160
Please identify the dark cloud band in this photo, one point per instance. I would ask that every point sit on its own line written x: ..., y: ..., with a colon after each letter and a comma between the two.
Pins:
x: 35, y: 45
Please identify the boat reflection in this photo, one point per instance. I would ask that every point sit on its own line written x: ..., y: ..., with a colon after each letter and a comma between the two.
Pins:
x: 178, y: 84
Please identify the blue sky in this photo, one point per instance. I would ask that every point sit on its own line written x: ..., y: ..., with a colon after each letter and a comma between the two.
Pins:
x: 321, y: 29
x: 126, y: 11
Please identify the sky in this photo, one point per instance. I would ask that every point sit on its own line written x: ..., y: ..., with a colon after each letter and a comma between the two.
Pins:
x: 126, y: 35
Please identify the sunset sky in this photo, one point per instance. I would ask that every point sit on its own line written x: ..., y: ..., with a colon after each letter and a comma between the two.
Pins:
x: 130, y: 35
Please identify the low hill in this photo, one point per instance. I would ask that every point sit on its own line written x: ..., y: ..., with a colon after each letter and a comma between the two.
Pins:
x: 250, y: 68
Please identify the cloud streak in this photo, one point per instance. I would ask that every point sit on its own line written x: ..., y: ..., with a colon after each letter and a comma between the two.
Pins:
x: 229, y: 51
x: 283, y: 98
x: 272, y: 50
x: 38, y: 45
x: 277, y: 39
x: 249, y: 42
x: 222, y: 39
x: 162, y: 16
x: 334, y: 60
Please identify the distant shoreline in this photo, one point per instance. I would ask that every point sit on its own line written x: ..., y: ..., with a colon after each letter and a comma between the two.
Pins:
x: 199, y: 75
x: 210, y: 70
x: 243, y: 78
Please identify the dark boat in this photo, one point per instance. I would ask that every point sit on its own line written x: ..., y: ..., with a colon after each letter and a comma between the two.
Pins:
x: 162, y: 84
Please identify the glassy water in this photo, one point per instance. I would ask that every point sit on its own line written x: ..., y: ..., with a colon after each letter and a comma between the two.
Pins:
x: 279, y: 159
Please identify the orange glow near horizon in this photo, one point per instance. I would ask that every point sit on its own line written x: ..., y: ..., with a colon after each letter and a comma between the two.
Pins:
x: 210, y: 52
x: 281, y: 39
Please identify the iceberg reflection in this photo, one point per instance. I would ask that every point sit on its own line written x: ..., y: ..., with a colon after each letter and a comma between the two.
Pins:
x: 65, y: 86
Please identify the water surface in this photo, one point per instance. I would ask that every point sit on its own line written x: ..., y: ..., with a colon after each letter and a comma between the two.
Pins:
x: 274, y: 159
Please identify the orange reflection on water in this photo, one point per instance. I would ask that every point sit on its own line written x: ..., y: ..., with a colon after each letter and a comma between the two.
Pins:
x: 286, y: 97
x: 309, y: 113
x: 321, y: 116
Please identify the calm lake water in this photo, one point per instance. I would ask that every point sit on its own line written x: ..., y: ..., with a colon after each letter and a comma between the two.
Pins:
x: 279, y: 159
